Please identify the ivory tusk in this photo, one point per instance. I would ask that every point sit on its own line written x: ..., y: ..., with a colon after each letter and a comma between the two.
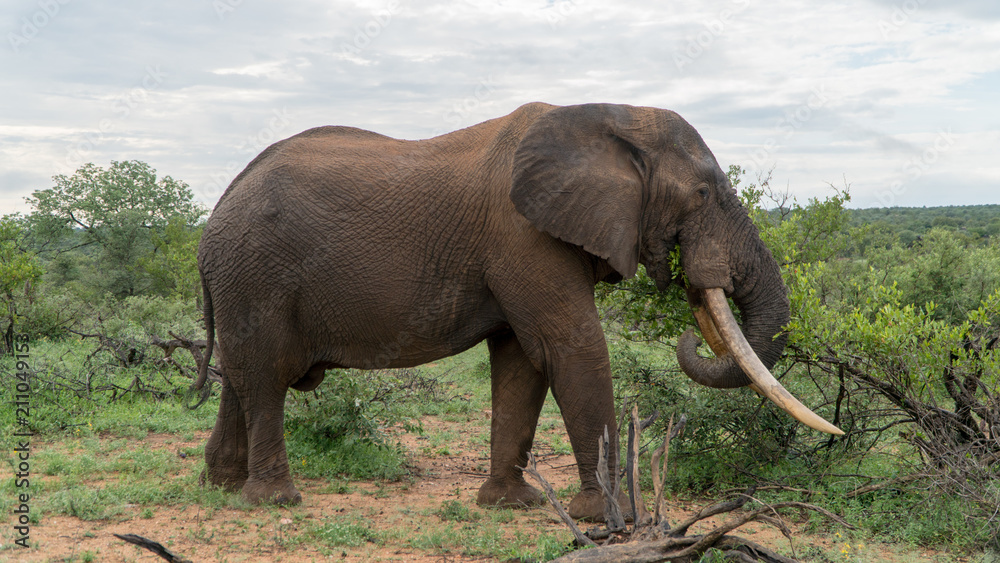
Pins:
x: 763, y: 382
x: 709, y: 332
x: 713, y: 338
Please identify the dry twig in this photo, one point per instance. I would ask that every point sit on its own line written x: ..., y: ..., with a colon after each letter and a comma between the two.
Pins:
x: 532, y: 471
x: 651, y: 540
x: 611, y: 486
x: 153, y: 546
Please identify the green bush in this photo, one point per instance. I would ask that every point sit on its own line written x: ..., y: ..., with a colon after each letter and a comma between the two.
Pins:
x: 894, y: 343
x: 52, y: 313
x: 339, y: 428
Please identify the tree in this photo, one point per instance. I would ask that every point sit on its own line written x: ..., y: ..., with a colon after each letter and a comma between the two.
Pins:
x: 20, y: 270
x: 122, y: 210
x: 173, y: 267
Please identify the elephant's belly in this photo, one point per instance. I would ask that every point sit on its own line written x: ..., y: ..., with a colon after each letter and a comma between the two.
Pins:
x: 408, y: 339
x: 410, y: 349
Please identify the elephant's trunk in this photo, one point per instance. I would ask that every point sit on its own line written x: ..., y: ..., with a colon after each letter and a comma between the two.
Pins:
x: 744, y: 356
x: 760, y: 296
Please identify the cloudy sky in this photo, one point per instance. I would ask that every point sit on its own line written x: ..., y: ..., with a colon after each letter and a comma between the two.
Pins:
x: 897, y: 98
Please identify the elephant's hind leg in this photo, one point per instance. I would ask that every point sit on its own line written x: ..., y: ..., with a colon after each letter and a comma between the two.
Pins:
x: 518, y: 394
x: 262, y: 396
x: 226, y: 451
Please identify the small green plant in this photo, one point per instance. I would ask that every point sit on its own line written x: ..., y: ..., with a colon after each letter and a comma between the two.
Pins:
x: 340, y: 487
x: 560, y: 445
x: 201, y: 534
x: 501, y: 515
x: 456, y: 511
x: 468, y: 540
x: 345, y: 534
x: 546, y: 547
x: 713, y: 556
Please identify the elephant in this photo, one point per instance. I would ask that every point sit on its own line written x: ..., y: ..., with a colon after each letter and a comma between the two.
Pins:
x: 343, y: 248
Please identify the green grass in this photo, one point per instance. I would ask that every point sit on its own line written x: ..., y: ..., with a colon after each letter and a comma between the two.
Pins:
x: 96, y: 468
x: 481, y: 539
x: 66, y: 400
x: 346, y: 457
x: 94, y: 459
x: 349, y: 533
x: 457, y: 511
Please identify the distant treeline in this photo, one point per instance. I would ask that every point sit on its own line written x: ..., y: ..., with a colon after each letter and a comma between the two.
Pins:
x: 909, y: 223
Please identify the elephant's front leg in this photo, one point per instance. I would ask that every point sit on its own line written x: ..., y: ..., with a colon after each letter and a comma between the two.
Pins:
x: 518, y: 394
x: 581, y: 385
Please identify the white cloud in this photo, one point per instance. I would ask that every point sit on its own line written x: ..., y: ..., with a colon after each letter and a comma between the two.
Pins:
x: 891, y: 75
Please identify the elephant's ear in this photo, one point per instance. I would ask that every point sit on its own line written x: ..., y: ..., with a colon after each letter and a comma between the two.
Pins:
x: 576, y: 177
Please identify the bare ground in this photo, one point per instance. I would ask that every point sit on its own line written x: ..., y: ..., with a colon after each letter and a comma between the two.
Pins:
x: 401, y: 512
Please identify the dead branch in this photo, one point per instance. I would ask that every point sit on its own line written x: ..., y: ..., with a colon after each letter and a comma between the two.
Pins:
x: 635, y: 428
x: 153, y: 546
x: 532, y: 471
x: 681, y: 549
x: 732, y: 548
x: 709, y: 511
x: 611, y: 487
x: 772, y: 488
x: 651, y: 540
x: 194, y: 347
x: 709, y: 540
x: 881, y: 485
x: 660, y: 473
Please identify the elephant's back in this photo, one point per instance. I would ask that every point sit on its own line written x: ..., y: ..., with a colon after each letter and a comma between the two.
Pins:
x: 337, y: 204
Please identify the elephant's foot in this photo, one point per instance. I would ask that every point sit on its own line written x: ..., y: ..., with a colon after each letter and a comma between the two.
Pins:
x: 231, y: 481
x: 507, y: 494
x: 588, y: 505
x: 272, y: 492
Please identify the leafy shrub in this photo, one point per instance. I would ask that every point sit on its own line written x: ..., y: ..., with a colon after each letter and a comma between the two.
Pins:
x: 729, y: 435
x: 340, y: 428
x: 895, y: 344
x: 52, y: 313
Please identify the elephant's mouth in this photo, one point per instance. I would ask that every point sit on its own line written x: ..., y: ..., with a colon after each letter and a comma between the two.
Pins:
x: 724, y: 336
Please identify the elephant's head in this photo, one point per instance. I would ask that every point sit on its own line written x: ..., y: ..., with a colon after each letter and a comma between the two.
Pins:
x: 629, y: 185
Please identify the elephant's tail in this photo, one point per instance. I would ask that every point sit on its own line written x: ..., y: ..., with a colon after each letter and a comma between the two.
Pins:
x: 199, y: 384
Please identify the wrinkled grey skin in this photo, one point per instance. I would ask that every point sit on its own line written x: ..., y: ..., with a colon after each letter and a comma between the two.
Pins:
x: 344, y: 248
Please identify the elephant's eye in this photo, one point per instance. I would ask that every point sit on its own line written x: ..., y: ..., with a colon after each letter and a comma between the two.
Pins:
x: 703, y: 193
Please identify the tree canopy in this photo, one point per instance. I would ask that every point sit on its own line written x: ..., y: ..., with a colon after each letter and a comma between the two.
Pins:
x: 124, y: 210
